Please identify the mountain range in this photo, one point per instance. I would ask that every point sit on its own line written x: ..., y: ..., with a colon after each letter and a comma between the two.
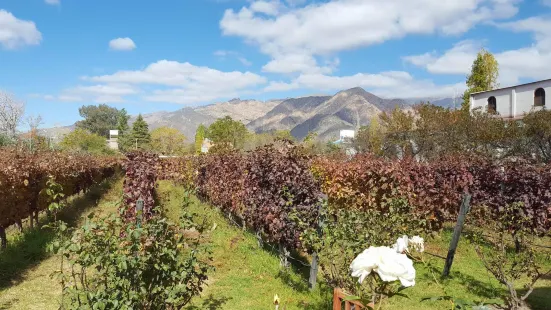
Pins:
x: 325, y: 115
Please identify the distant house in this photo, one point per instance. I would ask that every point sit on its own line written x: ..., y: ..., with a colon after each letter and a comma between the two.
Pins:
x: 112, y: 142
x: 513, y: 101
x: 206, y: 145
x: 346, y: 137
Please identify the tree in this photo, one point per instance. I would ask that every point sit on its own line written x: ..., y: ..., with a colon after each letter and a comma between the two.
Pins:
x: 228, y: 131
x: 140, y: 133
x: 398, y: 125
x: 35, y: 141
x: 124, y: 139
x: 81, y: 140
x: 483, y: 77
x: 168, y: 141
x: 11, y: 112
x: 370, y: 138
x: 200, y: 137
x: 98, y: 119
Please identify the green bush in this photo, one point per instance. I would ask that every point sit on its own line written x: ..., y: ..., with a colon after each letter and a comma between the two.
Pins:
x: 112, y: 265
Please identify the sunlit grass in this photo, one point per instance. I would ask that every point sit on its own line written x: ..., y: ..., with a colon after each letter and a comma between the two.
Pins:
x: 25, y: 266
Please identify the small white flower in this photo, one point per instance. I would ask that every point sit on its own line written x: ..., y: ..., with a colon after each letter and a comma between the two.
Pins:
x: 417, y: 243
x: 401, y: 244
x: 386, y: 262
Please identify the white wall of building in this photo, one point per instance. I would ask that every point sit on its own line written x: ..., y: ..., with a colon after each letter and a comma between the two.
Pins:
x: 513, y: 101
x: 346, y: 133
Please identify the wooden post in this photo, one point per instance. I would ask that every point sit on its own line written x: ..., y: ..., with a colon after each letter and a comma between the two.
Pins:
x: 315, y: 259
x: 463, y: 210
x: 283, y: 256
x: 313, y: 271
x: 3, y: 238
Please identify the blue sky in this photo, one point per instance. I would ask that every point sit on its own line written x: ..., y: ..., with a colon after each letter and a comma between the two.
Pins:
x: 145, y: 56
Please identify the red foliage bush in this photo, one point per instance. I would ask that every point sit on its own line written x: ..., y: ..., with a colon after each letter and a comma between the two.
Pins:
x: 23, y: 176
x: 139, y: 183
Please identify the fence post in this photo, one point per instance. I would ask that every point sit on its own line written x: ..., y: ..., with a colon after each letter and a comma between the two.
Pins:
x: 463, y: 210
x: 315, y: 259
x: 139, y: 212
x: 283, y: 256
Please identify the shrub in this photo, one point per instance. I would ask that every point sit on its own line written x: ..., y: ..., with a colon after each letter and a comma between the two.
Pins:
x: 159, y: 265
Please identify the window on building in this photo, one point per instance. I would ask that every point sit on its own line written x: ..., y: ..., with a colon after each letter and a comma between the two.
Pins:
x: 539, y: 97
x: 492, y: 105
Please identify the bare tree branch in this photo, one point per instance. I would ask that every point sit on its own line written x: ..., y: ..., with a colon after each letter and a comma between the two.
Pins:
x: 11, y: 112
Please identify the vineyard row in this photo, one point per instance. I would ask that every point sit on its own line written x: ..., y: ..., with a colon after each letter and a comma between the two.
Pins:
x: 24, y: 177
x: 276, y: 190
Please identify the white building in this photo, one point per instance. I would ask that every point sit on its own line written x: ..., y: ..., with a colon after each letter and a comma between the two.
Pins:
x: 113, y: 143
x: 346, y: 134
x: 513, y: 101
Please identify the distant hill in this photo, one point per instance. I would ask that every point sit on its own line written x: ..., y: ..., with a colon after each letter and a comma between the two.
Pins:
x: 325, y: 115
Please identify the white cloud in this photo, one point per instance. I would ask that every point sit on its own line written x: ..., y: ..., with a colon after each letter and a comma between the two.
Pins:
x: 390, y: 84
x: 53, y: 2
x: 176, y: 82
x: 100, y: 93
x: 16, y: 33
x: 530, y: 62
x: 122, y: 44
x: 223, y: 54
x: 320, y: 29
x: 266, y: 7
x: 68, y: 98
x: 457, y: 60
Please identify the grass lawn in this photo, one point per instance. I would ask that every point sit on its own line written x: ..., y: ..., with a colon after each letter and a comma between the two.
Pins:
x: 246, y: 276
x: 25, y: 266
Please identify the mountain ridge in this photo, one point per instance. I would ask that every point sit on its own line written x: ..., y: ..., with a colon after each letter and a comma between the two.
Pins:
x: 323, y: 114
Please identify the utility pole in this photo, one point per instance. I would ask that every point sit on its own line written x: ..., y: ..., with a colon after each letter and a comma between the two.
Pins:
x: 136, y: 143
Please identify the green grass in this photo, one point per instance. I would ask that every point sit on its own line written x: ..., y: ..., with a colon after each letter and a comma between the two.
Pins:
x: 25, y: 266
x: 247, y: 276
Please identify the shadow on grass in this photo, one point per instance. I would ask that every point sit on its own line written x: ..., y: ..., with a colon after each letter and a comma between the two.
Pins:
x: 28, y: 249
x: 540, y: 298
x: 210, y: 303
x: 8, y: 305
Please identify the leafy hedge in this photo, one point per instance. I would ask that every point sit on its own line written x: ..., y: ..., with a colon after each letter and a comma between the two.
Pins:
x: 139, y: 183
x: 273, y: 187
x: 23, y: 177
x: 270, y: 189
x: 435, y: 189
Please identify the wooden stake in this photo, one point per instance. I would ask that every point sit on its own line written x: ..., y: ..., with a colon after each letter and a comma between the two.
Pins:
x: 463, y: 210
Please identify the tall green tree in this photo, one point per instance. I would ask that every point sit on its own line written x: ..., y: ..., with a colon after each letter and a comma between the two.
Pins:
x: 141, y: 137
x: 483, y: 76
x: 200, y: 137
x: 98, y: 119
x: 81, y: 140
x: 168, y: 141
x: 125, y: 138
x: 228, y: 131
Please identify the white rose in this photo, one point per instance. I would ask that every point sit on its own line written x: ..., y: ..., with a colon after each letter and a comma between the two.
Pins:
x: 386, y: 262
